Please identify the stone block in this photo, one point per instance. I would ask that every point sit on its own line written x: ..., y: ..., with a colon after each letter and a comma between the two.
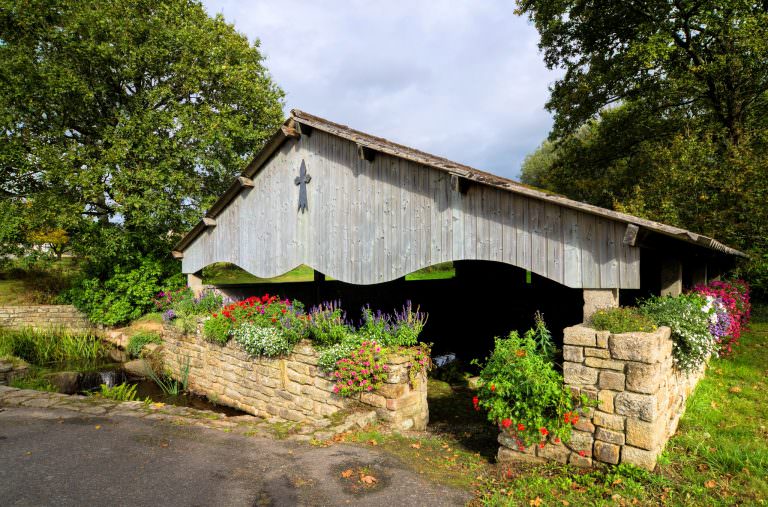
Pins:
x: 641, y: 347
x: 405, y: 401
x: 596, y: 352
x: 579, y: 335
x: 507, y: 455
x: 644, y: 406
x: 602, y: 339
x: 604, y: 364
x: 585, y: 424
x: 606, y: 453
x: 608, y: 421
x: 554, y: 452
x: 643, y: 378
x: 579, y: 375
x: 573, y: 353
x: 640, y: 457
x: 577, y: 460
x: 373, y: 399
x: 612, y: 437
x: 646, y: 435
x: 393, y: 390
x: 580, y: 441
x: 612, y: 380
x: 605, y: 398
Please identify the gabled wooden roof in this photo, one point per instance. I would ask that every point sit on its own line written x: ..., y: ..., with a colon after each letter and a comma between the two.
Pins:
x: 301, y: 123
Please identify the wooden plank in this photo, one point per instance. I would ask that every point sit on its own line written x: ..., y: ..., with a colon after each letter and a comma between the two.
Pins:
x: 571, y: 249
x: 470, y: 205
x: 555, y: 247
x: 482, y: 214
x: 609, y: 265
x: 536, y: 226
x: 457, y: 219
x: 508, y: 229
x: 436, y: 226
x: 446, y: 217
x: 523, y: 239
x: 496, y: 226
x: 590, y: 254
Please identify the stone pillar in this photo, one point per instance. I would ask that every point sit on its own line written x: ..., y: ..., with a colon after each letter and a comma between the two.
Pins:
x: 699, y: 274
x: 595, y: 299
x: 671, y: 277
x: 195, y: 282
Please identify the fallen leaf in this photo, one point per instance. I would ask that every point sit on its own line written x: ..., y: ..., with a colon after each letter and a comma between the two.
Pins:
x: 536, y: 502
x: 368, y: 479
x: 710, y: 484
x: 347, y: 473
x: 158, y: 404
x: 734, y: 389
x: 713, y: 405
x: 417, y: 445
x: 565, y: 502
x: 98, y: 426
x: 163, y: 444
x: 373, y: 442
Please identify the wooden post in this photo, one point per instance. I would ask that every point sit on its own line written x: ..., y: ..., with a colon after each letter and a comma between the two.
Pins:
x: 671, y: 277
x: 596, y: 299
x: 195, y: 282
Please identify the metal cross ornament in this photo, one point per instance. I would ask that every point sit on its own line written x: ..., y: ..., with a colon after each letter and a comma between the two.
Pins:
x: 301, y: 180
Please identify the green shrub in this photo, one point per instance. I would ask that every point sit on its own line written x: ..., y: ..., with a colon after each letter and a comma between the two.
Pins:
x: 622, y: 320
x: 401, y: 329
x: 120, y: 392
x: 123, y: 297
x: 216, y: 329
x: 50, y: 345
x: 137, y: 342
x: 262, y: 341
x: 684, y: 315
x: 521, y: 389
x: 327, y: 324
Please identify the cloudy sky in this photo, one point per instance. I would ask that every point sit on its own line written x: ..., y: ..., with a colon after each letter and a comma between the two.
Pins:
x: 458, y: 78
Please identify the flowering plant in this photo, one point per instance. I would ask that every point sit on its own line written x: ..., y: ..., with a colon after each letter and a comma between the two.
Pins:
x: 264, y: 311
x: 400, y: 329
x: 363, y: 370
x: 327, y: 324
x: 733, y: 299
x: 262, y: 341
x: 522, y: 391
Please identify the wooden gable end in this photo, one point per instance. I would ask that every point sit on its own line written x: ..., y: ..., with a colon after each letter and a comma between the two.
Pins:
x: 375, y: 219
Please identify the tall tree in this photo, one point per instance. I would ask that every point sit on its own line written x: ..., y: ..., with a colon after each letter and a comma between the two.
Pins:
x: 122, y: 119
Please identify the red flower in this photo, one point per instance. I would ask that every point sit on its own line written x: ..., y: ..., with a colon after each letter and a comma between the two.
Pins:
x: 541, y: 445
x: 493, y: 387
x: 520, y: 427
x: 544, y: 431
x: 557, y: 440
x: 506, y: 423
x: 582, y: 453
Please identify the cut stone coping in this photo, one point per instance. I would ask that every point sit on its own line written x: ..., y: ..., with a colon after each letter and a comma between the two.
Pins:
x: 311, y: 430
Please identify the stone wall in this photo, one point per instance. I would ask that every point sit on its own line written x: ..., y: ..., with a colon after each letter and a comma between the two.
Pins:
x: 292, y: 387
x: 43, y: 316
x: 640, y: 398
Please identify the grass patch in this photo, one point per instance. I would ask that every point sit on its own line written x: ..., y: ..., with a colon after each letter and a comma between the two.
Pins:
x: 42, y: 347
x: 437, y: 272
x: 137, y: 342
x: 36, y: 280
x: 223, y: 273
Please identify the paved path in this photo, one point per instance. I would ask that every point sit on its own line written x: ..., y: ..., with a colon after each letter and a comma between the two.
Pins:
x: 59, y: 456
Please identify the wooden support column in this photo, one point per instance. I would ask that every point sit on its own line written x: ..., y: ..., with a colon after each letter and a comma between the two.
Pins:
x: 195, y: 282
x: 671, y: 277
x: 597, y: 299
x: 319, y: 277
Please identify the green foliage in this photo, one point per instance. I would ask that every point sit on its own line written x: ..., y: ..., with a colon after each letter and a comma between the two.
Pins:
x: 48, y: 346
x: 120, y: 392
x: 136, y: 342
x: 33, y: 382
x: 622, y: 320
x: 692, y: 342
x: 216, y: 329
x: 169, y: 385
x: 329, y: 356
x: 363, y: 370
x: 120, y: 121
x: 125, y: 296
x: 327, y: 324
x: 400, y: 329
x: 521, y: 389
x: 262, y: 341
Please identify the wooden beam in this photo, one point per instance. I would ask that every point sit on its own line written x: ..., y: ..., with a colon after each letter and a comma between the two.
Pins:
x: 209, y: 222
x: 630, y: 235
x: 304, y: 129
x: 365, y: 153
x: 245, y: 182
x: 290, y: 132
x: 459, y: 184
x: 177, y: 255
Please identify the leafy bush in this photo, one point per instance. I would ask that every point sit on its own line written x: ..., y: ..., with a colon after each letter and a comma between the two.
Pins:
x: 327, y: 324
x: 688, y: 316
x: 523, y: 392
x: 622, y: 320
x: 262, y: 341
x: 136, y: 342
x: 123, y: 297
x: 216, y: 329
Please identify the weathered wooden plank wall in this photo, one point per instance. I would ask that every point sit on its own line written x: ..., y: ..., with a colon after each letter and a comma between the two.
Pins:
x: 372, y: 222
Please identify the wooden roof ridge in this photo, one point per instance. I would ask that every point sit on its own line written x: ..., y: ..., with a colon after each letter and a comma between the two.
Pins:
x: 382, y: 145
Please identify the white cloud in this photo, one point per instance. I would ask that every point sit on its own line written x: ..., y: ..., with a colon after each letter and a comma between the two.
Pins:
x: 459, y: 79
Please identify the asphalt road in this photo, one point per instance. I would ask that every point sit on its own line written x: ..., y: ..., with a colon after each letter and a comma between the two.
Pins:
x: 62, y: 458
